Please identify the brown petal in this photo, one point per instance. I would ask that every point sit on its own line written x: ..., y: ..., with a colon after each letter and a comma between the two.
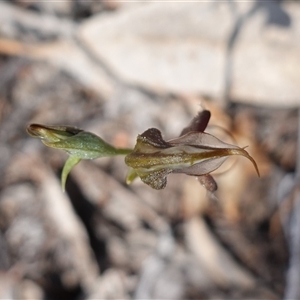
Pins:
x: 154, y: 138
x: 208, y: 182
x: 198, y: 124
x: 156, y: 179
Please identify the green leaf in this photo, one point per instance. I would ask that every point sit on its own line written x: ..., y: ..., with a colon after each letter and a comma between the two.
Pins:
x: 84, y: 145
x: 76, y: 142
x: 69, y: 164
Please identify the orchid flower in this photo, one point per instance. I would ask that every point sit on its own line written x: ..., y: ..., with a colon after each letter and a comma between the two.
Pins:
x: 194, y: 153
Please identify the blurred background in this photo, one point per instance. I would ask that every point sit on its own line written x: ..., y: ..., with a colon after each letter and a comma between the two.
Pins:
x: 117, y: 69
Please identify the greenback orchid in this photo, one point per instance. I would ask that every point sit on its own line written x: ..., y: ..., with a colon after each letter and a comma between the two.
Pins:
x: 194, y: 153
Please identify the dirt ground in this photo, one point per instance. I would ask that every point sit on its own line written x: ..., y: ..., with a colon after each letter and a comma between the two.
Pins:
x: 103, y: 239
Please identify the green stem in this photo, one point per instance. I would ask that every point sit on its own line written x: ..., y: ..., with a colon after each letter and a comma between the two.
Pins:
x: 123, y: 151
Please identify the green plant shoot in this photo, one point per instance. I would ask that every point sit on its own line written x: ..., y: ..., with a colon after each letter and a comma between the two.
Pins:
x: 79, y: 144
